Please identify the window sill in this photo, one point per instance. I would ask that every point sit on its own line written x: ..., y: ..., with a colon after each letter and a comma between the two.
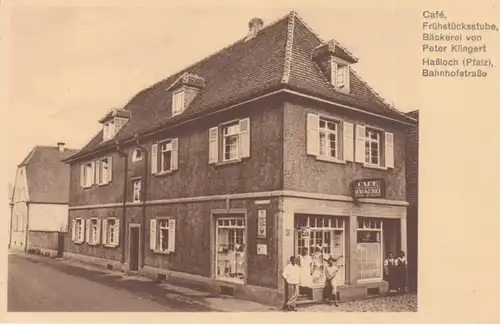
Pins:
x: 134, y: 203
x: 230, y: 280
x: 110, y: 245
x: 228, y: 162
x: 78, y: 242
x: 374, y: 166
x: 162, y: 252
x: 103, y: 184
x: 164, y: 173
x: 331, y: 160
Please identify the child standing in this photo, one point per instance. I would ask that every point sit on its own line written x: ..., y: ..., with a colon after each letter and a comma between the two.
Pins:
x: 331, y: 270
x: 389, y: 274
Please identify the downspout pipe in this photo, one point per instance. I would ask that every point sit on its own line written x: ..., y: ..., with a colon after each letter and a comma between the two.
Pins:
x: 124, y: 206
x: 144, y: 150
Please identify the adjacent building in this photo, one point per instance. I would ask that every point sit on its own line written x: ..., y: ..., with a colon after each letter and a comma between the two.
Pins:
x: 216, y: 175
x: 412, y: 197
x: 39, y: 200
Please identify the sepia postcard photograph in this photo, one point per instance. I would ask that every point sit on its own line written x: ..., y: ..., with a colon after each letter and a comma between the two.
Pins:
x: 258, y: 159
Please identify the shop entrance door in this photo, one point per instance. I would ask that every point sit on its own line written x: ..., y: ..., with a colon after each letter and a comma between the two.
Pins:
x: 323, y: 236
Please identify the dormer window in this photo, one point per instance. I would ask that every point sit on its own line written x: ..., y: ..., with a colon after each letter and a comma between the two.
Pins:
x: 108, y: 130
x: 178, y: 102
x: 113, y: 122
x: 340, y: 76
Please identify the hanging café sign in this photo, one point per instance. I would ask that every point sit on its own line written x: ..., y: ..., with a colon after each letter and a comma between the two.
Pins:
x: 368, y: 188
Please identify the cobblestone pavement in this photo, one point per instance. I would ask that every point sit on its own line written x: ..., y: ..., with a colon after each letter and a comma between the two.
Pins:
x: 396, y: 303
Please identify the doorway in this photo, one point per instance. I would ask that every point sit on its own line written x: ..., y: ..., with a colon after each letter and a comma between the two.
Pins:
x: 134, y: 247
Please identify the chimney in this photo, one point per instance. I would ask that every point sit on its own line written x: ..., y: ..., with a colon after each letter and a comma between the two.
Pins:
x: 60, y: 146
x: 254, y: 26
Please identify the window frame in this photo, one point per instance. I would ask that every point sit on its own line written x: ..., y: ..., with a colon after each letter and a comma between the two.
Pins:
x: 80, y: 232
x: 178, y: 102
x: 159, y: 236
x: 224, y: 137
x: 165, y: 142
x: 368, y: 151
x: 135, y: 153
x: 370, y: 228
x: 134, y: 182
x: 244, y: 228
x: 99, y: 170
x: 88, y: 174
x: 108, y: 242
x: 324, y: 130
x: 109, y: 130
x: 93, y: 238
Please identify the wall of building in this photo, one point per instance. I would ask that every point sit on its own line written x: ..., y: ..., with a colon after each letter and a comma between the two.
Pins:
x: 195, y: 176
x: 100, y: 251
x: 19, y: 214
x: 304, y: 173
x: 48, y: 217
x: 43, y: 240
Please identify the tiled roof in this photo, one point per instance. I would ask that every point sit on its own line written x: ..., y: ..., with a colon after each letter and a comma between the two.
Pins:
x: 413, y: 114
x: 279, y: 56
x: 47, y: 175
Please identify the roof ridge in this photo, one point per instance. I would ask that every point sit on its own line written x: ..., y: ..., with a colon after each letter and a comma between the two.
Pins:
x: 308, y: 27
x: 289, y: 48
x: 377, y: 95
x: 185, y: 70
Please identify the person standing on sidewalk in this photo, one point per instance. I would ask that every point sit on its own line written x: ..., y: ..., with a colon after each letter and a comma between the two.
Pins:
x: 291, y: 274
x: 401, y: 272
x: 331, y: 270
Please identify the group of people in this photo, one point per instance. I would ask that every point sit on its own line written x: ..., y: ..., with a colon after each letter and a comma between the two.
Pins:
x: 395, y: 272
x: 304, y: 269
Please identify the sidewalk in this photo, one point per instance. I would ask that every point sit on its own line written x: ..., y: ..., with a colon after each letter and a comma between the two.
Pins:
x: 182, y: 294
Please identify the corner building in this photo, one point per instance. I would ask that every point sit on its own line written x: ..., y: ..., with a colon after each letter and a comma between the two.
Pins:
x: 215, y: 176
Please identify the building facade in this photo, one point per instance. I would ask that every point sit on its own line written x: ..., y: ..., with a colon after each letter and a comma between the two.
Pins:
x: 39, y: 200
x: 218, y: 174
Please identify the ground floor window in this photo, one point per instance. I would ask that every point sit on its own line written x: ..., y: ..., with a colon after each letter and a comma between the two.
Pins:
x: 111, y: 232
x: 94, y: 231
x: 369, y: 249
x: 321, y: 237
x: 78, y: 230
x: 230, y: 245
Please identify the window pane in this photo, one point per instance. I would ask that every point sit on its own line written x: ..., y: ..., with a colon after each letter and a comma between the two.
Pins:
x: 322, y: 123
x: 164, y: 239
x: 331, y: 126
x: 166, y: 160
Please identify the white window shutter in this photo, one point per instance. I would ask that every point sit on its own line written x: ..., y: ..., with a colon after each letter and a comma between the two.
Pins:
x: 73, y: 232
x: 213, y: 148
x: 97, y: 172
x: 348, y: 131
x: 154, y: 158
x: 92, y: 173
x: 110, y: 169
x: 244, y: 138
x: 171, y: 235
x: 360, y: 143
x: 389, y: 150
x: 82, y: 175
x: 104, y: 232
x: 152, y: 234
x: 175, y: 154
x: 87, y: 230
x: 117, y: 232
x: 334, y: 72
x: 312, y: 136
x: 98, y: 232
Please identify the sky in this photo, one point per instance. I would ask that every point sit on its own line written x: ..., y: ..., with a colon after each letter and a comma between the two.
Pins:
x: 70, y: 65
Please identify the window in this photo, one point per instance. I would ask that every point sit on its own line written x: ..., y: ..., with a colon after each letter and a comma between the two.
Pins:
x: 328, y: 139
x: 93, y: 231
x: 178, y: 102
x: 230, y: 243
x: 88, y: 175
x: 111, y: 232
x: 162, y: 235
x: 136, y: 195
x: 103, y: 171
x: 108, y: 130
x: 369, y: 249
x: 137, y: 155
x: 165, y: 153
x: 166, y: 156
x: 229, y: 142
x: 321, y: 236
x: 341, y: 77
x: 78, y: 230
x: 372, y: 147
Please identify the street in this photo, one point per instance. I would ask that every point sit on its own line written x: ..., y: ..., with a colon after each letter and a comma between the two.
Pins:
x: 48, y: 285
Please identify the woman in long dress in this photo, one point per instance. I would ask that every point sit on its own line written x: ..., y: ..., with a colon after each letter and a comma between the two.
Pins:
x: 318, y: 264
x: 401, y: 272
x: 305, y: 263
x: 389, y: 273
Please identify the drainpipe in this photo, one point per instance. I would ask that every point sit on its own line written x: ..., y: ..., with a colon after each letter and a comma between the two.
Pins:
x: 124, y: 206
x: 144, y: 150
x: 27, y: 224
